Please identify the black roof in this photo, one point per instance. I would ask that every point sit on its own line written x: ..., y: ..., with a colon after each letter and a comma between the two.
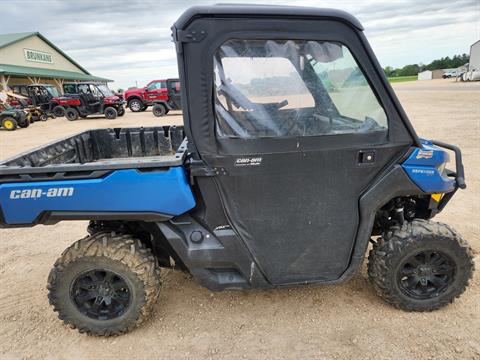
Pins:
x: 32, y: 85
x: 250, y: 10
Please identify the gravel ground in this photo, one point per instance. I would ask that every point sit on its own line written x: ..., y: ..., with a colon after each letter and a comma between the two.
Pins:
x: 344, y: 321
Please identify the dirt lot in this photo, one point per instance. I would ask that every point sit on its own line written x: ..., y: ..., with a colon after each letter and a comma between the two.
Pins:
x: 346, y: 321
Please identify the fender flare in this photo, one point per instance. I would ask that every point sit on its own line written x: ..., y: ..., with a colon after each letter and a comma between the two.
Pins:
x: 132, y: 97
x: 162, y: 102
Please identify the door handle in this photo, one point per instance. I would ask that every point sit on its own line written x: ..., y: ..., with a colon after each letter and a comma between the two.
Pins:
x: 366, y: 157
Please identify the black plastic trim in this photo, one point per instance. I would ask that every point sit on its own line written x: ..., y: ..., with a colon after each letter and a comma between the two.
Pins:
x: 265, y: 11
x: 460, y: 172
x: 53, y: 217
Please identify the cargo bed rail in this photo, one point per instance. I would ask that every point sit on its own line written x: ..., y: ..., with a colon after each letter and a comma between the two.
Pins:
x: 95, y: 153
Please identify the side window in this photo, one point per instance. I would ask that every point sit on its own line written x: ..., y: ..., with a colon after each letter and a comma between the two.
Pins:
x: 174, y: 87
x: 83, y: 89
x: 280, y: 88
x: 94, y: 90
x: 152, y: 86
x: 69, y: 89
x: 157, y: 85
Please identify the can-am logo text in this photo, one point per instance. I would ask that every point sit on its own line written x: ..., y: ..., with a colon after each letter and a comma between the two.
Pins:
x: 38, y: 193
x: 252, y: 161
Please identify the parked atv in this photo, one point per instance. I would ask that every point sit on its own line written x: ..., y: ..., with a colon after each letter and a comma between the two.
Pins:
x: 297, y: 154
x: 35, y: 113
x: 92, y: 98
x: 11, y: 118
x: 48, y: 100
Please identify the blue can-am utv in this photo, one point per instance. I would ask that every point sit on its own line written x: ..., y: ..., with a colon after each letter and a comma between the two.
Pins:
x: 294, y: 156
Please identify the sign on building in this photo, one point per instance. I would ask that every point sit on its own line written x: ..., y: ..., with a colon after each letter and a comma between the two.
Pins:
x: 38, y: 56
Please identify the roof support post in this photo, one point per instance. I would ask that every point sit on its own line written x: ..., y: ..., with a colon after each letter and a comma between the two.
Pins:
x: 59, y: 83
x: 4, y: 83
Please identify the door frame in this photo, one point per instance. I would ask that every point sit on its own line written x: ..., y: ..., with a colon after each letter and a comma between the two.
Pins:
x: 199, y: 110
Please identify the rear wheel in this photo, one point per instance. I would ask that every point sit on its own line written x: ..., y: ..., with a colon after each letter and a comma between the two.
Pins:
x: 110, y: 113
x: 43, y: 117
x: 9, y: 123
x: 25, y: 123
x: 135, y: 105
x: 105, y: 284
x: 71, y: 114
x: 59, y: 111
x: 159, y: 110
x: 420, y: 266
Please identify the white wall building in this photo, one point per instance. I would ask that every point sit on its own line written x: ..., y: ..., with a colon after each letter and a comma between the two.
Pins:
x: 425, y: 75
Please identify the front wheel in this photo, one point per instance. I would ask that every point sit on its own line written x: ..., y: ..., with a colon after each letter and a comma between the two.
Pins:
x: 420, y: 266
x: 105, y: 284
x: 9, y: 123
x: 135, y: 105
x: 110, y: 113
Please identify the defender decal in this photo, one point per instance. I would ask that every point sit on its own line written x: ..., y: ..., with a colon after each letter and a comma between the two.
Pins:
x: 38, y: 193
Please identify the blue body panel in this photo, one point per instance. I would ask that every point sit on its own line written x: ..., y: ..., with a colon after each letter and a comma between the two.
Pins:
x: 425, y: 167
x: 163, y: 192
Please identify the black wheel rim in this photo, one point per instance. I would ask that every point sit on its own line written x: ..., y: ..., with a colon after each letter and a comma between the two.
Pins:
x: 101, y: 294
x: 426, y: 275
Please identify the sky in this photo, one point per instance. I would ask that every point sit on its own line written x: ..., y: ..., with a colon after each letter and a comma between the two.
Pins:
x: 130, y: 41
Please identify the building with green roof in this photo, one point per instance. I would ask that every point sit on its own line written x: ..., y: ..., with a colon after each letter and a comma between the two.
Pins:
x: 30, y: 58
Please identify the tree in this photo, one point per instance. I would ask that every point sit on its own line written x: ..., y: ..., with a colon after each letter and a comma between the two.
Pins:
x: 442, y: 63
x: 408, y: 70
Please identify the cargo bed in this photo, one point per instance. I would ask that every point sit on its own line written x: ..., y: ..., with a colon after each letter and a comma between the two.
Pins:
x: 104, y: 174
x: 93, y: 152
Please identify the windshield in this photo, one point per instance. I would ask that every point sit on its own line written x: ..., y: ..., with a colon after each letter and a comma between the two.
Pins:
x: 105, y: 90
x: 52, y: 90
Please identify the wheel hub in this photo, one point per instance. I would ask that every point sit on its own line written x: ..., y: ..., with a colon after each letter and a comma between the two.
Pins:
x: 135, y: 105
x: 424, y: 270
x: 101, y: 294
x: 426, y: 274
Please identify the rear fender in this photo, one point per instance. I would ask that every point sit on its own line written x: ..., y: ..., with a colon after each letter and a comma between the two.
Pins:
x: 122, y: 194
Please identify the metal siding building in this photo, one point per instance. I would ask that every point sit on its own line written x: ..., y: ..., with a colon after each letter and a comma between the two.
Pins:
x: 28, y: 58
x: 430, y: 74
x: 474, y: 63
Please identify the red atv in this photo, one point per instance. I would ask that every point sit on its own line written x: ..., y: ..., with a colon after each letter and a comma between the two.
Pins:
x: 164, y: 95
x: 90, y: 99
x: 48, y: 99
